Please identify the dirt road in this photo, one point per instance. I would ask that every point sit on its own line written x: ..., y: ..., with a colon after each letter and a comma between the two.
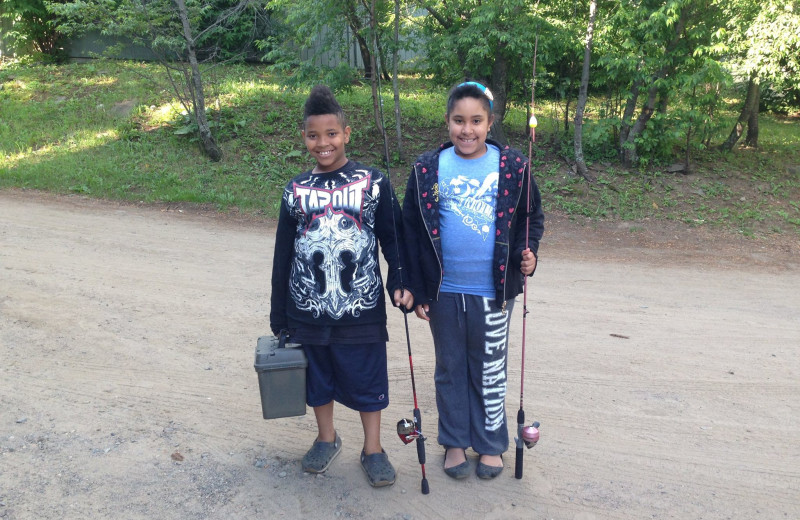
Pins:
x: 662, y: 364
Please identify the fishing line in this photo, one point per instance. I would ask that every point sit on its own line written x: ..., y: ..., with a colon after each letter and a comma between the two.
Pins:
x: 408, y: 429
x: 527, y: 436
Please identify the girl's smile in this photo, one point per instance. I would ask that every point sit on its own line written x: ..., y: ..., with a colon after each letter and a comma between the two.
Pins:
x: 468, y: 125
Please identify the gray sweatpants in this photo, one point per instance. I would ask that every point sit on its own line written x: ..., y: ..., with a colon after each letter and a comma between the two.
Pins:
x: 470, y: 337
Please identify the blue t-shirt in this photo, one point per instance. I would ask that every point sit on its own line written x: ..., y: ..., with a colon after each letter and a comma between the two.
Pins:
x: 467, y: 198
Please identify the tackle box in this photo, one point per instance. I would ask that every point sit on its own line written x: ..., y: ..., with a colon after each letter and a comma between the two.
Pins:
x: 281, y: 369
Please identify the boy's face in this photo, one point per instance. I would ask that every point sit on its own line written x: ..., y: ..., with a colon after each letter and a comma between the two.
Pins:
x: 325, y: 140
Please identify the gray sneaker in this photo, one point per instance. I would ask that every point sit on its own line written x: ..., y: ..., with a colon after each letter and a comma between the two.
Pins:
x: 379, y: 470
x: 321, y: 454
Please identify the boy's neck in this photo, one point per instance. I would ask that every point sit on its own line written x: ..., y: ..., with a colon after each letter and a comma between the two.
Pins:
x: 317, y: 170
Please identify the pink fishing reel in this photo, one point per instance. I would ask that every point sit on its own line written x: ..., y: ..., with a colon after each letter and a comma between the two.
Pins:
x: 530, y: 435
x: 407, y: 431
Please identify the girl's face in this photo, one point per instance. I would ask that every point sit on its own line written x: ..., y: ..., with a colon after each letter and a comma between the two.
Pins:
x: 468, y: 125
x: 325, y: 140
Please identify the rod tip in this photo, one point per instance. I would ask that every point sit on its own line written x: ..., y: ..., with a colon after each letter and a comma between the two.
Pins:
x: 425, y: 488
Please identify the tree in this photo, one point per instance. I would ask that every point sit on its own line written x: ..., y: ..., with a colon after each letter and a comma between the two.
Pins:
x: 395, y: 75
x: 483, y: 41
x: 176, y: 32
x: 651, y: 47
x: 377, y: 109
x: 765, y: 39
x: 326, y: 26
x: 194, y: 84
x: 580, y: 163
x: 32, y: 26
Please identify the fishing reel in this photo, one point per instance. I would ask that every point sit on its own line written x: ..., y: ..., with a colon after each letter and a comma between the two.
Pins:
x: 407, y: 431
x: 530, y: 435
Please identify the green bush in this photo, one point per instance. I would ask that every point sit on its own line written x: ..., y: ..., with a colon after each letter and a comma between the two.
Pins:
x: 32, y: 29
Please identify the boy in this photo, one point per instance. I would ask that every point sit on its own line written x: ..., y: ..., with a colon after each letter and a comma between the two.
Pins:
x: 327, y: 290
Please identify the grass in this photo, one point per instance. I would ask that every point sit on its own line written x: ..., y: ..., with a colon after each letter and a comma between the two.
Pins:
x: 111, y: 130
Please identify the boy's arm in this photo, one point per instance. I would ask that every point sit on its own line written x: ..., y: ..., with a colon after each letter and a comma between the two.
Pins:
x: 281, y: 267
x: 389, y: 230
x: 414, y: 232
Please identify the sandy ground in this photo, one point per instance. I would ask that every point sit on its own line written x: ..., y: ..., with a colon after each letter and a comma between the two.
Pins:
x: 661, y: 362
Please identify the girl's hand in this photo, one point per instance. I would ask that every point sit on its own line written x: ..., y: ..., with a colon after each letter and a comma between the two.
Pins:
x: 403, y: 298
x: 528, y: 262
x: 422, y: 312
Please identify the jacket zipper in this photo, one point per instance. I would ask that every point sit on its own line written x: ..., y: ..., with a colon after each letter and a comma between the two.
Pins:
x: 422, y: 218
x: 508, y: 255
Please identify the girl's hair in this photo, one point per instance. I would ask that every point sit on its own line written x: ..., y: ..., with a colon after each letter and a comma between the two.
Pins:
x: 470, y: 89
x: 320, y: 102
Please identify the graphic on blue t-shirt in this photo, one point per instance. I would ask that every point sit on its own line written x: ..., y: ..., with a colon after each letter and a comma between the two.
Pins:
x: 467, y: 201
x: 472, y: 201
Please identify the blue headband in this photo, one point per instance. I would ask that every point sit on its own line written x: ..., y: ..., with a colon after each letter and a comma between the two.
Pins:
x: 482, y: 88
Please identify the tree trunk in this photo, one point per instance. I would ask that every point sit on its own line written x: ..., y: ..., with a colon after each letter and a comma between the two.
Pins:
x: 395, y: 86
x: 744, y: 117
x: 583, y: 93
x: 498, y: 86
x: 628, y: 152
x: 366, y: 55
x: 627, y: 114
x: 376, y: 107
x: 356, y: 26
x: 663, y: 102
x: 210, y: 146
x: 752, y: 122
x: 382, y: 61
x: 630, y: 156
x: 706, y: 139
x: 689, y: 131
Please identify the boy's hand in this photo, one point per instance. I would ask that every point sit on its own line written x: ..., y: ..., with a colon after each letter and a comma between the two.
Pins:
x: 422, y: 312
x: 528, y: 262
x: 403, y: 298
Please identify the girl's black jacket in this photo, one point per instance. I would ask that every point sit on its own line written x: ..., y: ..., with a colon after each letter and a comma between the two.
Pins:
x: 421, y: 225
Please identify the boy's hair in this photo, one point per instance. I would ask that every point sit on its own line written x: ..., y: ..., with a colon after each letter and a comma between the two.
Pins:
x: 320, y: 102
x: 471, y: 89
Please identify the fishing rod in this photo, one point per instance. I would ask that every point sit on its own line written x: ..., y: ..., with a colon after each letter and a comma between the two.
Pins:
x: 527, y: 436
x: 408, y: 430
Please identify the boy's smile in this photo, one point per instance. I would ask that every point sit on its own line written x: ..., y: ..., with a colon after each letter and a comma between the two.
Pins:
x: 325, y: 140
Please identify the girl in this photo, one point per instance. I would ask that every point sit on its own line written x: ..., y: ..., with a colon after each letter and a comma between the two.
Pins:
x: 465, y: 222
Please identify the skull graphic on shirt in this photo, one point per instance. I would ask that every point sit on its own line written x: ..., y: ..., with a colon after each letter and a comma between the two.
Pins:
x: 334, y: 270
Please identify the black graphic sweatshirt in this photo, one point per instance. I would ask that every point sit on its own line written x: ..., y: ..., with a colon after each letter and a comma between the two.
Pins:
x: 326, y: 270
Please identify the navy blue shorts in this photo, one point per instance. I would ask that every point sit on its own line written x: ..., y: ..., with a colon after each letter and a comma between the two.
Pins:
x: 353, y: 375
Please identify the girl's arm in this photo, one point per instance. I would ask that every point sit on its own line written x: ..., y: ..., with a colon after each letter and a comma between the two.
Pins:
x: 415, y: 233
x: 530, y: 221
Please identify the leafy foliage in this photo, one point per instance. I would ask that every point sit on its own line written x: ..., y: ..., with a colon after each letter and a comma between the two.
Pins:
x: 662, y: 68
x: 765, y: 40
x: 32, y: 27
